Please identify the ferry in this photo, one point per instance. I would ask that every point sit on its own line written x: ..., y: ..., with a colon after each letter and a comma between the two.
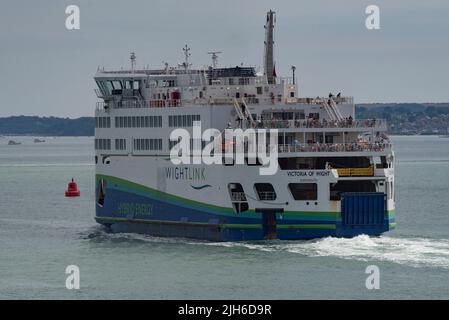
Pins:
x: 334, y: 177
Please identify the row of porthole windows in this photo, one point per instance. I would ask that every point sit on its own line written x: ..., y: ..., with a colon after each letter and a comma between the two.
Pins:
x: 183, y: 120
x: 120, y: 144
x: 102, y: 144
x: 102, y: 122
x: 138, y: 122
x: 148, y: 144
x: 147, y: 121
x: 299, y: 191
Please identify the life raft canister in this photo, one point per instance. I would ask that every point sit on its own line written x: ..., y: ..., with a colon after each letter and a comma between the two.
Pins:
x: 72, y: 190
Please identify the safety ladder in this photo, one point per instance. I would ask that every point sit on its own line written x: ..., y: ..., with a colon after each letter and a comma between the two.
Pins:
x: 332, y: 109
x: 243, y: 113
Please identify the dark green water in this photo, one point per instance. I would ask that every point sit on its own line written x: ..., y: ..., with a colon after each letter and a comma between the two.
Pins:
x: 41, y: 232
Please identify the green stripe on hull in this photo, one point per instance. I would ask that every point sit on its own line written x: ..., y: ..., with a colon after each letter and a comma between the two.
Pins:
x: 224, y: 226
x: 146, y: 191
x: 163, y: 195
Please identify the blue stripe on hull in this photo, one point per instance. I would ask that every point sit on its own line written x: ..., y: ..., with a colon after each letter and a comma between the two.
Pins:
x: 172, y: 220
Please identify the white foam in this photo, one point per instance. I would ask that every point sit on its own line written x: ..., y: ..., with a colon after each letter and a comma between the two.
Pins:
x: 415, y: 252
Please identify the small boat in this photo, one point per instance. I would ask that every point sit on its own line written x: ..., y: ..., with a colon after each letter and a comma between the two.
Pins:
x: 38, y: 140
x: 13, y: 143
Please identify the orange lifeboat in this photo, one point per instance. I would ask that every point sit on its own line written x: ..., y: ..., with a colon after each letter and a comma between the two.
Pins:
x: 72, y: 190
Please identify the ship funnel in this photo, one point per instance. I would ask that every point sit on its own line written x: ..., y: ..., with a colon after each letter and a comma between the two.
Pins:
x: 269, y: 67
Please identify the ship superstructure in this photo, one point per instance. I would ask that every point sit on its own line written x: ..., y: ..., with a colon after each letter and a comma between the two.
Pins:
x: 335, y: 175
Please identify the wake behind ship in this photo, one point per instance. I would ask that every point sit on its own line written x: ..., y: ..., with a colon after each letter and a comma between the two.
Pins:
x: 335, y: 173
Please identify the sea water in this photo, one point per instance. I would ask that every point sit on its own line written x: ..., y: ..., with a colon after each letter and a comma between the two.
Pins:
x: 42, y: 232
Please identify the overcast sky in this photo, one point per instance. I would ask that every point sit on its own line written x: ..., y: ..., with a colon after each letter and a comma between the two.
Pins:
x: 48, y: 70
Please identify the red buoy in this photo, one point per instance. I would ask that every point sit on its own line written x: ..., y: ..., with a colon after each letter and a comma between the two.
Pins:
x: 72, y: 190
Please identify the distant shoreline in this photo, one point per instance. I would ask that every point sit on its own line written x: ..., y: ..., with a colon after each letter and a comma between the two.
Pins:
x: 402, y: 119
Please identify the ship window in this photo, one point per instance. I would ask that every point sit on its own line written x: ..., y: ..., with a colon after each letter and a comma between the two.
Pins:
x: 300, y: 115
x: 238, y: 197
x: 147, y: 144
x: 259, y: 90
x: 109, y: 87
x: 102, y: 144
x: 304, y: 191
x: 180, y: 121
x: 231, y: 81
x: 120, y: 144
x: 265, y: 191
x: 243, y: 81
x: 336, y: 189
x: 128, y: 84
x: 136, y: 85
x: 117, y: 85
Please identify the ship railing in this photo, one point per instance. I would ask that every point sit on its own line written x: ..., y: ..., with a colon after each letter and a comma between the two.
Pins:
x: 284, y: 80
x: 267, y: 195
x: 335, y: 147
x: 160, y: 103
x: 139, y: 104
x: 238, y: 196
x: 224, y: 101
x: 320, y: 100
x: 324, y: 124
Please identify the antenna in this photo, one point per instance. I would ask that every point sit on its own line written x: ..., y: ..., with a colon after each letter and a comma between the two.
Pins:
x: 293, y: 71
x: 187, y: 54
x: 166, y: 66
x: 133, y: 61
x: 214, y: 57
